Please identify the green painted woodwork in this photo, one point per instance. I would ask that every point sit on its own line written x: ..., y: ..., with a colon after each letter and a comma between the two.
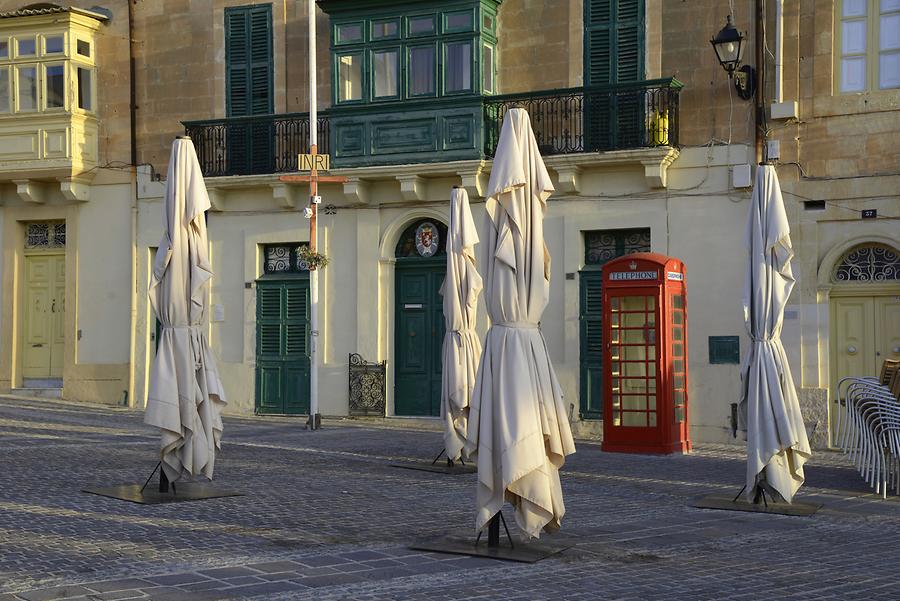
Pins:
x: 366, y: 27
x: 591, y: 342
x: 282, y: 345
x: 600, y: 247
x: 418, y: 336
x: 434, y: 132
x: 613, y: 54
x: 248, y: 85
x: 613, y: 41
x: 419, y: 321
x: 724, y: 349
x: 248, y: 60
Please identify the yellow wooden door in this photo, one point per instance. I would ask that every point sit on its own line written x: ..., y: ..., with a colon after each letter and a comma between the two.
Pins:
x: 44, y: 344
x: 887, y: 328
x: 852, y: 342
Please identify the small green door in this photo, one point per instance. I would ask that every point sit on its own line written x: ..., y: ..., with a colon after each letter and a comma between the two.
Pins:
x: 282, y: 346
x: 418, y: 337
x: 419, y: 318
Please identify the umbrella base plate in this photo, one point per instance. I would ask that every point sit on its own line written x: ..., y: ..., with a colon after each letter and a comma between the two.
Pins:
x: 440, y: 467
x: 185, y: 491
x: 522, y: 552
x: 727, y: 502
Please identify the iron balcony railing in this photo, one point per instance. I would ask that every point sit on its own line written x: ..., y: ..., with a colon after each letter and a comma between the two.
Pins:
x: 254, y: 145
x: 636, y: 115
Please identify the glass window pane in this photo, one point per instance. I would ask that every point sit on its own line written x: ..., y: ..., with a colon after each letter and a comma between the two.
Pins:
x: 634, y: 320
x: 889, y: 37
x: 421, y: 70
x: 634, y: 419
x: 634, y: 403
x: 385, y: 29
x: 83, y: 48
x: 25, y: 47
x: 27, y: 83
x: 855, y: 8
x: 488, y: 67
x: 888, y: 5
x: 459, y: 20
x: 349, y: 32
x: 85, y: 89
x: 614, y: 303
x: 384, y: 64
x: 459, y: 67
x: 676, y: 334
x: 853, y: 37
x: 853, y: 74
x: 421, y: 25
x: 4, y: 48
x: 350, y: 77
x: 55, y: 85
x: 53, y: 44
x: 652, y: 417
x: 633, y: 303
x: 4, y: 90
x: 488, y: 22
x: 889, y: 71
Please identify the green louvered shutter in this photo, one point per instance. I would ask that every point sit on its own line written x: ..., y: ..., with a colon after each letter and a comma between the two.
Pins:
x: 591, y: 356
x: 282, y: 347
x: 249, y: 87
x: 613, y: 54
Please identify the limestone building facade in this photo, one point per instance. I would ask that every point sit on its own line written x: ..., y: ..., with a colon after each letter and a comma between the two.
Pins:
x: 647, y: 140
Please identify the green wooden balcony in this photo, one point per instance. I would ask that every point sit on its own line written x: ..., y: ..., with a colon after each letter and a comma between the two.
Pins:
x: 575, y: 120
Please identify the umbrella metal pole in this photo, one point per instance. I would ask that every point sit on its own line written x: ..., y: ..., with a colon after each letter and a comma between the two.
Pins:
x: 494, y: 531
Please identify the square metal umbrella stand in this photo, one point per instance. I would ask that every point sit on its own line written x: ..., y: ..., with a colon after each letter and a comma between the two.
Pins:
x: 166, y: 492
x: 530, y: 552
x: 448, y: 467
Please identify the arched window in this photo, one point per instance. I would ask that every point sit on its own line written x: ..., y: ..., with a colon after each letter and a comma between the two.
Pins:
x: 424, y: 238
x: 868, y: 263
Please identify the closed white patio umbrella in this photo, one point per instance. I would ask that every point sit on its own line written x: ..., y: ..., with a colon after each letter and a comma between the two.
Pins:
x: 518, y: 426
x: 462, y: 348
x: 777, y: 446
x: 186, y: 398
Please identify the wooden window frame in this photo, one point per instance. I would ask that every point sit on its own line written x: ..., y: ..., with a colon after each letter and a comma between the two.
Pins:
x: 872, y: 54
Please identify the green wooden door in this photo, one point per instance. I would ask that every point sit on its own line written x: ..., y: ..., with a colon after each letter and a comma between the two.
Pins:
x: 282, y: 346
x: 418, y: 337
x: 249, y: 87
x: 599, y: 247
x: 613, y: 54
x: 591, y: 356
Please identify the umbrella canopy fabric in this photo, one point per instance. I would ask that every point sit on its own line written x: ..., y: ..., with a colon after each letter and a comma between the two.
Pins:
x: 518, y: 427
x: 186, y: 397
x: 777, y: 446
x: 462, y: 348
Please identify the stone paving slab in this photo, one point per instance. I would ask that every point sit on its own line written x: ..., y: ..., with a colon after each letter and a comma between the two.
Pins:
x: 325, y: 517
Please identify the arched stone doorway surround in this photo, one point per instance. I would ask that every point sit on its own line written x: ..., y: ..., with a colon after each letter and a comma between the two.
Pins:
x: 849, y: 310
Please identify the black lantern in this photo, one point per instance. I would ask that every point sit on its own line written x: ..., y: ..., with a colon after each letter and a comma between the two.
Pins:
x: 729, y: 47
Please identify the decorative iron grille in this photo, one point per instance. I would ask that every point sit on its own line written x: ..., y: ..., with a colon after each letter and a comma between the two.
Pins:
x: 367, y: 387
x: 254, y: 145
x: 602, y: 245
x: 635, y: 115
x: 284, y: 258
x: 870, y: 263
x: 45, y: 235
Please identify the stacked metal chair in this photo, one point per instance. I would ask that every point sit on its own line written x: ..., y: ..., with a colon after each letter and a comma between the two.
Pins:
x: 868, y: 425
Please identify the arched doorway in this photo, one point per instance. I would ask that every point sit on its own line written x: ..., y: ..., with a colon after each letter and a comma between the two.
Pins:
x: 419, y: 321
x: 864, y: 303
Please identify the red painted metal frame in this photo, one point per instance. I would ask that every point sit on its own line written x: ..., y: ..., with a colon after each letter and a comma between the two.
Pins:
x: 659, y: 280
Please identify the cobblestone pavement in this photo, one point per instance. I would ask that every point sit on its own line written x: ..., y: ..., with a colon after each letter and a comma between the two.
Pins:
x: 324, y: 516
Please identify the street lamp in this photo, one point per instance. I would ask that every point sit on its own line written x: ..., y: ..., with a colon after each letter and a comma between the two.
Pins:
x: 729, y: 47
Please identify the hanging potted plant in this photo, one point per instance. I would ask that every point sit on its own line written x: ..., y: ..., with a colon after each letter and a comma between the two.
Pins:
x: 313, y: 259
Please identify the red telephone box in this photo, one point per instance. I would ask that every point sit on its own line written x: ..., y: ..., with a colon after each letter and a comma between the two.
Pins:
x: 645, y: 405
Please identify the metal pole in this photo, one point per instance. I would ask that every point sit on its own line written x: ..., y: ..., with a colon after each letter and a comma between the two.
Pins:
x: 313, y: 191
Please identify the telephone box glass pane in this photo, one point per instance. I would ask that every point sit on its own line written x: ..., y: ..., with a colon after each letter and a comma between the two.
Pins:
x: 635, y: 419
